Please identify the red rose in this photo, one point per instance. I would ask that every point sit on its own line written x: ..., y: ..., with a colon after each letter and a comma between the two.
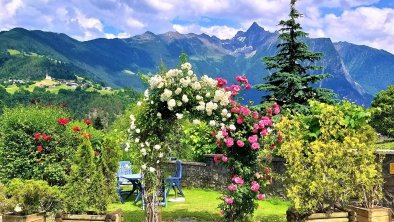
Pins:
x: 39, y: 149
x: 87, y: 121
x: 37, y: 136
x: 96, y: 153
x: 89, y: 136
x: 45, y: 137
x: 77, y: 128
x: 62, y: 121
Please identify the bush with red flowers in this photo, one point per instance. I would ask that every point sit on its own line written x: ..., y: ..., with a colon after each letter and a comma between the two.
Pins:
x: 39, y: 143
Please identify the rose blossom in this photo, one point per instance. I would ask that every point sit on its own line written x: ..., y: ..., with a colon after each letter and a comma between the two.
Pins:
x: 255, y: 186
x: 247, y: 86
x: 255, y: 115
x: 224, y: 158
x: 238, y: 180
x: 229, y: 142
x: 252, y: 139
x: 232, y: 187
x: 255, y: 146
x: 240, y: 143
x: 221, y: 82
x: 260, y: 196
x: 217, y: 158
x: 62, y: 121
x: 241, y: 78
x: 229, y: 200
x: 39, y: 148
x: 276, y: 109
x: 240, y: 119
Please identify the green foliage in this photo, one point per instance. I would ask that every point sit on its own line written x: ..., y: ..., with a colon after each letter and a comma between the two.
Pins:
x: 6, y: 204
x: 196, y: 141
x: 330, y: 157
x: 34, y: 196
x: 78, y: 188
x: 290, y: 85
x: 19, y: 155
x: 383, y: 112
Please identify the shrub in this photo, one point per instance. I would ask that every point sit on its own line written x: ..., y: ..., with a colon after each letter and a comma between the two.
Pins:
x: 34, y: 196
x: 20, y: 156
x: 5, y: 203
x: 329, y: 156
x: 383, y: 112
x: 39, y: 143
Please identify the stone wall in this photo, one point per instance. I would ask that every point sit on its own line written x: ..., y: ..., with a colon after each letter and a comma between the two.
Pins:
x: 202, y: 175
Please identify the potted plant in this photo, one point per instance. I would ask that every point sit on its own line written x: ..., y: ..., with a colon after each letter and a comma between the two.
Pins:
x: 369, y: 181
x: 90, y: 185
x: 28, y: 200
x: 328, y: 160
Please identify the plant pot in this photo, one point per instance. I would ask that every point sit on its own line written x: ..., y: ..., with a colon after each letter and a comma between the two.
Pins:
x: 116, y: 216
x: 38, y: 217
x: 319, y: 217
x: 378, y: 214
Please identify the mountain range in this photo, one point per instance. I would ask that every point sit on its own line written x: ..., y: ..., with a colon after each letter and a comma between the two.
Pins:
x: 357, y: 72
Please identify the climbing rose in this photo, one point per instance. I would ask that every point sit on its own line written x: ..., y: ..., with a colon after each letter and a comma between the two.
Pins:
x: 96, y: 153
x: 232, y: 187
x: 39, y: 148
x: 240, y: 119
x: 255, y: 115
x: 255, y: 186
x: 255, y: 146
x: 247, y: 86
x: 87, y: 121
x: 238, y: 180
x: 221, y: 82
x: 276, y: 109
x: 236, y: 88
x: 45, y: 137
x: 260, y: 196
x: 252, y: 139
x: 224, y: 158
x: 240, y: 143
x: 241, y: 78
x: 62, y: 121
x: 222, y: 212
x: 229, y: 141
x: 229, y: 200
x: 245, y: 111
x: 217, y: 158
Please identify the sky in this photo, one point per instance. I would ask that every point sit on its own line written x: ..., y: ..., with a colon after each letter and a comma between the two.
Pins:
x: 366, y: 22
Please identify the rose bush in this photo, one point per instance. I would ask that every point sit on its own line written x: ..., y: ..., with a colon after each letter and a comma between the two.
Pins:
x: 178, y: 93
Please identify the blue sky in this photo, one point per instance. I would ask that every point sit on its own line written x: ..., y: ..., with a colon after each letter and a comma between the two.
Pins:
x: 367, y: 22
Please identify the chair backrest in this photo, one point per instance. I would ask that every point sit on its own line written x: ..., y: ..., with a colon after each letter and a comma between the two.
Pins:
x: 124, y: 168
x: 178, y: 172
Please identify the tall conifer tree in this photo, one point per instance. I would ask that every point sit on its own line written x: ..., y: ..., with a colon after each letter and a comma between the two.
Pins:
x: 291, y: 83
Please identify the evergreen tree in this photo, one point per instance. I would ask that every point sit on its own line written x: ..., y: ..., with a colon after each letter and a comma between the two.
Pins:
x: 290, y: 84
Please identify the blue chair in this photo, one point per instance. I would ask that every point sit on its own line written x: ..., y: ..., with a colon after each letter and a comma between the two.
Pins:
x: 124, y: 169
x: 174, y: 182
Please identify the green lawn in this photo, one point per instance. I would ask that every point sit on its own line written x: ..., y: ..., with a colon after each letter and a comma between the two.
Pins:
x: 386, y: 146
x: 201, y: 205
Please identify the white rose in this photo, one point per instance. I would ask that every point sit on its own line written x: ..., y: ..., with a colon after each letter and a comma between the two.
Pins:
x: 161, y: 155
x: 196, y: 121
x: 151, y: 169
x: 232, y: 127
x: 208, y: 95
x: 186, y: 66
x: 224, y: 112
x: 137, y: 130
x: 139, y: 103
x: 184, y: 98
x: 179, y: 116
x: 171, y: 104
x: 146, y: 93
x: 212, y: 123
x: 196, y: 86
x: 18, y: 208
x: 166, y: 95
x: 157, y: 147
x: 158, y: 115
x: 137, y: 140
x: 142, y: 144
x: 228, y: 115
x: 178, y: 103
x: 198, y: 97
x: 190, y: 72
x: 143, y: 167
x: 143, y: 151
x: 178, y: 91
x: 132, y: 117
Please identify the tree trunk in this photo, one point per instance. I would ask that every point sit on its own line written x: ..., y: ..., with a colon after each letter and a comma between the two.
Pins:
x: 152, y: 211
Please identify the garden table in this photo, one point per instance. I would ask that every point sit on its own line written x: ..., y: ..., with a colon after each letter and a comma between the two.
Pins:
x: 135, y: 180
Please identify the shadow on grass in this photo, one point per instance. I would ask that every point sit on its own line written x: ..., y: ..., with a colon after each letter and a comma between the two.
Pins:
x: 173, y: 216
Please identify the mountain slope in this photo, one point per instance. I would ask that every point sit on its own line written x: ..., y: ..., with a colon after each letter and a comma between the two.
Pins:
x: 117, y: 62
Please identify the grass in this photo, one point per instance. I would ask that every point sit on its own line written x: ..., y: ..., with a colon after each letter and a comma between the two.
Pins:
x: 201, y: 205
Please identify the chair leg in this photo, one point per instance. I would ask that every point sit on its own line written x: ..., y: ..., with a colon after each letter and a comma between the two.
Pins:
x: 178, y: 185
x: 120, y: 196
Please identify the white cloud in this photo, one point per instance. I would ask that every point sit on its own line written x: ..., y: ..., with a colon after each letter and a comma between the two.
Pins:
x: 88, y: 22
x: 222, y: 32
x: 9, y: 8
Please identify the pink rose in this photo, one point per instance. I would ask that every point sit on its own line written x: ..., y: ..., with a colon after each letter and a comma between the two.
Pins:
x: 232, y: 187
x: 269, y: 110
x: 227, y: 88
x: 247, y: 86
x: 219, y: 143
x: 217, y: 158
x: 238, y: 180
x: 264, y: 132
x: 265, y: 121
x: 233, y: 103
x: 224, y: 158
x: 257, y: 175
x: 235, y: 110
x: 276, y: 109
x: 252, y: 139
x: 229, y: 141
x: 229, y: 200
x: 255, y: 115
x: 260, y: 196
x: 240, y: 143
x: 255, y: 146
x: 222, y: 212
x: 224, y: 132
x: 255, y: 186
x: 245, y: 111
x: 221, y: 82
x: 240, y: 119
x: 236, y: 88
x: 241, y: 79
